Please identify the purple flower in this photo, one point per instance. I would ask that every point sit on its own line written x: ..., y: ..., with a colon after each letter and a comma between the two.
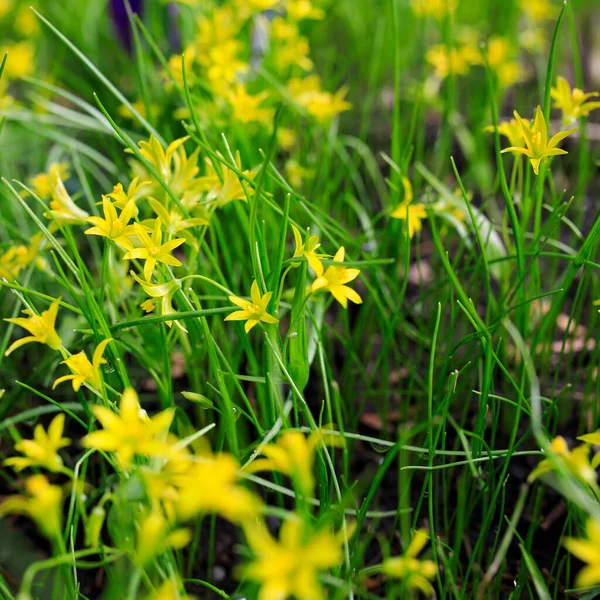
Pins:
x: 121, y: 20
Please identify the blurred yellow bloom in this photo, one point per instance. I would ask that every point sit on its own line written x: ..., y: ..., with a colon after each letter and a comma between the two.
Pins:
x: 26, y: 23
x: 319, y: 104
x: 286, y: 138
x: 42, y: 450
x: 334, y: 280
x: 539, y: 10
x: 413, y: 214
x: 295, y: 173
x: 170, y: 590
x: 437, y: 9
x: 125, y: 112
x: 291, y: 565
x: 114, y: 227
x: 512, y: 130
x: 290, y: 48
x: 456, y: 61
x: 41, y: 183
x: 154, y: 250
x: 231, y: 188
x: 576, y: 461
x: 16, y: 258
x: 130, y: 432
x: 216, y: 28
x: 293, y: 454
x: 298, y: 10
x: 246, y: 108
x: 84, y: 371
x: 247, y: 8
x: 5, y: 7
x: 211, y: 485
x: 252, y: 311
x: 500, y: 55
x: 62, y: 207
x: 20, y: 61
x: 308, y: 249
x: 588, y: 551
x: 223, y: 64
x: 155, y: 535
x: 416, y: 573
x: 40, y: 326
x: 42, y: 504
x: 536, y: 140
x: 572, y: 103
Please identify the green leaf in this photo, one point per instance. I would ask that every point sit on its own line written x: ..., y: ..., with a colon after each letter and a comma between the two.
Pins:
x: 534, y: 571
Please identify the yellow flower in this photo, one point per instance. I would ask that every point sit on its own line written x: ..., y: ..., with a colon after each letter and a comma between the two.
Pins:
x: 231, y: 189
x: 253, y: 311
x: 154, y: 250
x: 512, y: 130
x: 114, y: 227
x: 536, y: 140
x: 319, y: 104
x: 158, y: 157
x: 26, y: 23
x: 84, y: 371
x: 413, y: 214
x: 164, y: 292
x: 576, y: 461
x: 41, y: 504
x: 20, y: 61
x: 334, y: 280
x: 246, y: 108
x: 446, y: 61
x: 172, y: 220
x: 41, y: 328
x: 223, y: 65
x: 212, y: 485
x: 155, y: 535
x: 125, y: 112
x: 174, y: 165
x: 42, y: 450
x: 16, y: 258
x: 130, y: 432
x: 588, y: 551
x: 122, y: 198
x: 290, y: 48
x: 296, y: 174
x: 286, y: 138
x: 62, y: 207
x: 41, y: 183
x: 298, y: 10
x: 539, y: 10
x: 291, y: 566
x: 149, y: 305
x: 437, y: 9
x: 573, y: 104
x: 5, y: 7
x: 500, y: 56
x: 416, y: 573
x: 308, y: 250
x: 247, y: 8
x: 293, y: 454
x: 170, y: 590
x: 220, y: 26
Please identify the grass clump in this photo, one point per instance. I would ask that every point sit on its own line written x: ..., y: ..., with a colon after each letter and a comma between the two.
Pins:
x: 298, y: 301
